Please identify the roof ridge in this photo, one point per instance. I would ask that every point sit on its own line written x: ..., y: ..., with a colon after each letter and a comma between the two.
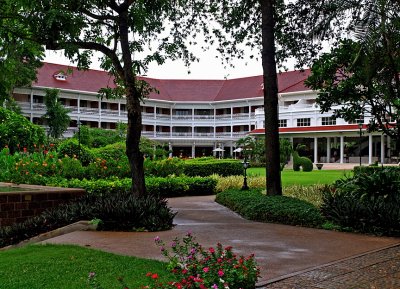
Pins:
x: 302, y: 80
x: 224, y: 81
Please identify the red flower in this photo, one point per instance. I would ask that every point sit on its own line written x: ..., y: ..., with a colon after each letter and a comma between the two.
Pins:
x: 220, y: 273
x: 148, y: 274
x: 211, y: 250
x: 154, y: 276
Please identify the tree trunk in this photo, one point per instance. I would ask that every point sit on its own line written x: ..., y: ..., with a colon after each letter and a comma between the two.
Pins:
x: 273, y: 173
x: 133, y: 97
x: 134, y: 131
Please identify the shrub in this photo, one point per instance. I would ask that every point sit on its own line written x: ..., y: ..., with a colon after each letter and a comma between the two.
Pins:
x: 236, y: 182
x: 164, y: 168
x: 213, y: 268
x: 102, y: 168
x: 312, y: 194
x: 301, y: 162
x: 207, y: 168
x: 115, y: 151
x: 165, y: 187
x: 70, y: 147
x: 366, y: 202
x: 17, y: 132
x: 373, y: 169
x: 121, y: 211
x: 255, y: 206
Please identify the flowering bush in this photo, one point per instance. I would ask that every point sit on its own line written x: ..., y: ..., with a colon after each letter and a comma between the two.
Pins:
x: 199, y: 268
x: 212, y: 268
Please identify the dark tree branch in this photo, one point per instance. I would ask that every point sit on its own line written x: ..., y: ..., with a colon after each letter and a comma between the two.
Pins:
x: 92, y: 46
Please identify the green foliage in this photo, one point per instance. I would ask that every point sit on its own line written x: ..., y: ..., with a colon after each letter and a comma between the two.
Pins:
x: 367, y: 202
x: 207, y: 168
x: 301, y: 162
x: 373, y: 169
x: 208, y: 266
x: 16, y: 132
x: 164, y: 168
x: 285, y: 150
x: 98, y: 137
x: 311, y: 193
x: 255, y: 206
x: 164, y: 187
x: 20, y: 56
x: 120, y: 211
x: 56, y: 116
x: 71, y: 148
x: 236, y: 182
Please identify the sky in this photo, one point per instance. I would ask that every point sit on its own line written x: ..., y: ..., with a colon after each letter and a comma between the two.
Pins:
x: 207, y: 68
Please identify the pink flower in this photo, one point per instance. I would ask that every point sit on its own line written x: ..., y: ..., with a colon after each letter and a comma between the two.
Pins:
x: 211, y: 250
x: 206, y: 269
x: 220, y: 273
x: 92, y: 274
x: 215, y: 286
x: 157, y: 239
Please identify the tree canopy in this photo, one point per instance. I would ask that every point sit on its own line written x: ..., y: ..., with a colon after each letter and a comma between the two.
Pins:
x: 129, y: 34
x: 19, y: 56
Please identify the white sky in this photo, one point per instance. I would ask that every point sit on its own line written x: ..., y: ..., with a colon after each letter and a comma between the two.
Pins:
x: 208, y: 67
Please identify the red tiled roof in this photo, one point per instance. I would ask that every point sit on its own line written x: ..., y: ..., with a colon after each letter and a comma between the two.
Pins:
x: 172, y: 90
x: 81, y: 80
x: 344, y: 127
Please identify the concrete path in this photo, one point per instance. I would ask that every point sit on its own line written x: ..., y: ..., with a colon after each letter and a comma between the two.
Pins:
x: 280, y: 250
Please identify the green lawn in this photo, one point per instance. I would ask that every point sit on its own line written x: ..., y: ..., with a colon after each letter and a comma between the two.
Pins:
x: 290, y: 177
x: 67, y: 267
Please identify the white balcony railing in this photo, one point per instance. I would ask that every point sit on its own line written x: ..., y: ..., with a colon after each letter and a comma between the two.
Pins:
x: 89, y: 110
x: 110, y: 112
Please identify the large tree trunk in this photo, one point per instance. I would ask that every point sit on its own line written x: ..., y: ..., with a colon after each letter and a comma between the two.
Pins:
x: 273, y: 173
x: 135, y: 156
x: 133, y: 97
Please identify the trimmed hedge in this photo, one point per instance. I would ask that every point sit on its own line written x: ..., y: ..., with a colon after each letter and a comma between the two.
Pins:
x: 255, y: 206
x: 164, y: 187
x: 301, y: 162
x: 205, y: 168
x: 117, y: 212
x: 373, y: 169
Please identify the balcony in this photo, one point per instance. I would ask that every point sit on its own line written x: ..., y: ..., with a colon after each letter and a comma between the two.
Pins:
x: 223, y: 116
x: 109, y: 112
x: 89, y: 110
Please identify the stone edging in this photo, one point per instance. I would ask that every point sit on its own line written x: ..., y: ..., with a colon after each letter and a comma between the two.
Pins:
x: 78, y: 226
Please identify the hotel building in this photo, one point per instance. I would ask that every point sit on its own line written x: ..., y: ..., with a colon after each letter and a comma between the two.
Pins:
x: 194, y: 117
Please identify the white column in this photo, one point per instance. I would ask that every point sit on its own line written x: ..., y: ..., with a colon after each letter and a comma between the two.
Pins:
x: 341, y: 148
x: 170, y: 150
x: 193, y: 150
x: 382, y: 149
x: 370, y: 149
x: 328, y: 149
x: 79, y: 103
x: 315, y: 150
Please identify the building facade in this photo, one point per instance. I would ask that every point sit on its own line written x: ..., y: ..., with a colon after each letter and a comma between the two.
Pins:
x: 194, y: 117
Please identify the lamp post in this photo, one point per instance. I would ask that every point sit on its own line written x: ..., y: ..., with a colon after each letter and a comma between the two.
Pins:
x: 360, y: 126
x: 245, y: 166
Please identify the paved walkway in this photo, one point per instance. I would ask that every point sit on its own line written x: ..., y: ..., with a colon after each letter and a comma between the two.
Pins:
x: 280, y: 250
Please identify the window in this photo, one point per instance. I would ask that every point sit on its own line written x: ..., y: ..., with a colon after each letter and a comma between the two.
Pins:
x: 282, y: 123
x: 303, y: 122
x: 329, y: 120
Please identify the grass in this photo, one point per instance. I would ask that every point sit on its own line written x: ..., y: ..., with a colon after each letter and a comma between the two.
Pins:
x: 290, y: 177
x: 67, y: 267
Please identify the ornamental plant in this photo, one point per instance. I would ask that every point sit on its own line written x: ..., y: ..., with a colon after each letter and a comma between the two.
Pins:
x: 198, y: 268
x: 212, y: 268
